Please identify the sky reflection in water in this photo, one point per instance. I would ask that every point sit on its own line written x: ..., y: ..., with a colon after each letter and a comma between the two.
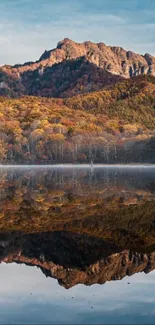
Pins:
x: 28, y: 297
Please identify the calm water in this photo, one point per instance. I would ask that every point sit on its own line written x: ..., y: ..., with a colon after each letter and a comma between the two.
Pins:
x: 77, y: 245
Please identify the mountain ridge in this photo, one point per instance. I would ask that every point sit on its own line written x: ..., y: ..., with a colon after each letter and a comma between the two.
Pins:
x: 103, y: 64
x: 97, y: 53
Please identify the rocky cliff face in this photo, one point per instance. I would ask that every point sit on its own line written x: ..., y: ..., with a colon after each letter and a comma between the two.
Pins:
x: 113, y: 59
x: 40, y: 78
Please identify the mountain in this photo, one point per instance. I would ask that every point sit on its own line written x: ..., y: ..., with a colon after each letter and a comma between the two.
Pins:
x: 99, y: 113
x: 72, y: 68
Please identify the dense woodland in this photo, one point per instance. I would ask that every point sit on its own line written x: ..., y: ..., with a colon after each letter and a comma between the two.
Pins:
x: 108, y: 126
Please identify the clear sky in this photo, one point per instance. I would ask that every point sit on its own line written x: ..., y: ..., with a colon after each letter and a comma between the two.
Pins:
x: 28, y: 27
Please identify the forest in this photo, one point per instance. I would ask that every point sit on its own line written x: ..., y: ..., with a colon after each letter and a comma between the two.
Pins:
x: 114, y: 125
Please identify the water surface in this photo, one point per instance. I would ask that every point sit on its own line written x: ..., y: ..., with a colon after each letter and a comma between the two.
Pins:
x: 77, y: 245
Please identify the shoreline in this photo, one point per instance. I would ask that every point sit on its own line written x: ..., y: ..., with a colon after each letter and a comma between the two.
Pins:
x: 82, y: 166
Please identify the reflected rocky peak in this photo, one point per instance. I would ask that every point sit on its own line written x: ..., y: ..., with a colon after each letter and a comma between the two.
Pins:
x: 72, y: 258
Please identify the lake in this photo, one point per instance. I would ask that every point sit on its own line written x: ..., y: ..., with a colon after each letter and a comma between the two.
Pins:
x: 77, y: 244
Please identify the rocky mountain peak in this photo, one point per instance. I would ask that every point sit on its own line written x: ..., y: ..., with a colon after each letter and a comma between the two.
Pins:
x: 113, y: 59
x: 64, y: 42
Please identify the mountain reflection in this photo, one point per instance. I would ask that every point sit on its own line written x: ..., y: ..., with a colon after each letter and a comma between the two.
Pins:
x: 79, y: 225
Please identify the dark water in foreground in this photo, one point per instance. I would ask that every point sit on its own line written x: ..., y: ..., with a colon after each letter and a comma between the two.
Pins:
x: 77, y: 245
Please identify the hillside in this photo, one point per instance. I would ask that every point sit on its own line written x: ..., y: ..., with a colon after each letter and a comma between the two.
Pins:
x: 132, y: 100
x: 108, y: 126
x: 72, y: 68
x: 67, y: 79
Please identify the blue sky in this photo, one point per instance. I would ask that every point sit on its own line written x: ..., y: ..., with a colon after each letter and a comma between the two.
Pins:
x: 28, y: 27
